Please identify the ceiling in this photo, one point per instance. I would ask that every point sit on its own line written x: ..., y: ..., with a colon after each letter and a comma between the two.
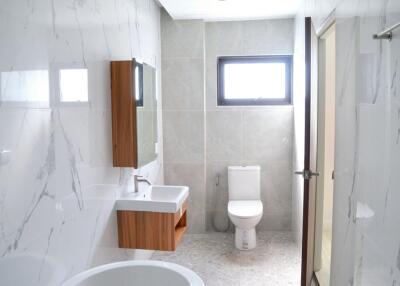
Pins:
x: 219, y: 10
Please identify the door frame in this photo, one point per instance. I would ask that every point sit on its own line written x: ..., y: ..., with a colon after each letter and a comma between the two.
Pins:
x: 320, y: 190
x: 311, y: 87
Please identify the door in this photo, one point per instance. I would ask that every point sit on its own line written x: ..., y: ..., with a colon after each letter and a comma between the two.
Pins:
x: 310, y: 153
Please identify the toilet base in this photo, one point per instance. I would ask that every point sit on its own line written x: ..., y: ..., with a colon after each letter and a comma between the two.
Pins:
x: 245, y: 239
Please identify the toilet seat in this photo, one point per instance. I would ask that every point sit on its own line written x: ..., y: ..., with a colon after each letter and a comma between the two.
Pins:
x: 245, y: 209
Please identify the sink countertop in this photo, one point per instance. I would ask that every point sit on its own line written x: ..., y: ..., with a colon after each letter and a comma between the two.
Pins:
x: 157, y: 198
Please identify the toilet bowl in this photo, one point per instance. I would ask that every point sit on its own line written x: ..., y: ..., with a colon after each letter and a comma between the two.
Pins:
x: 245, y: 208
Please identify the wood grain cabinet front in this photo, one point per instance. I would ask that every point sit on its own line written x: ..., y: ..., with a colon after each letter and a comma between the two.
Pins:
x: 151, y: 230
x: 123, y: 110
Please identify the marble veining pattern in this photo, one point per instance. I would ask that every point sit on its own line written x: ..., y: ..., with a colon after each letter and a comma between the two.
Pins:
x: 57, y: 185
x: 365, y: 247
x: 275, y: 261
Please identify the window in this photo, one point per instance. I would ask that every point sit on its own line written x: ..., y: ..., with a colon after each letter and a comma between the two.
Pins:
x: 73, y: 85
x: 255, y: 80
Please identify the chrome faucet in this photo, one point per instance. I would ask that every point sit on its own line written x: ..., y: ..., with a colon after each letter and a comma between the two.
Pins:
x: 137, y: 179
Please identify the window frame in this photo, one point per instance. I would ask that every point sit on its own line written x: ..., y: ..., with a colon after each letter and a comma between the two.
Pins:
x: 55, y: 85
x: 286, y: 59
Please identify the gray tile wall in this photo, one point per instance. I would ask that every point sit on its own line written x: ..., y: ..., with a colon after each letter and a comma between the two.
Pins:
x: 201, y: 139
x: 248, y: 135
x: 182, y: 46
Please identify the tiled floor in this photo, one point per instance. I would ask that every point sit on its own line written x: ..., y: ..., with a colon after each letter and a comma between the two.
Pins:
x: 275, y: 261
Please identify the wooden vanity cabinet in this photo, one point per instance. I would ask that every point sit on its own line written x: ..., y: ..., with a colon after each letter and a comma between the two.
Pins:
x: 123, y: 109
x: 151, y: 230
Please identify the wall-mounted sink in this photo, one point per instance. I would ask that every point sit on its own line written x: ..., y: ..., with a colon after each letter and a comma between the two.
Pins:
x: 164, y: 199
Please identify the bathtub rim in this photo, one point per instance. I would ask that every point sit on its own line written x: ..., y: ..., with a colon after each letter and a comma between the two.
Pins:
x: 190, y: 275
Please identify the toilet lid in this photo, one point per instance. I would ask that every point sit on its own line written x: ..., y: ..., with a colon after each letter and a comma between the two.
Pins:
x: 244, y: 209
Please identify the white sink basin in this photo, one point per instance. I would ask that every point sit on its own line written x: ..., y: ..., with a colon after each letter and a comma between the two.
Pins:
x: 165, y: 199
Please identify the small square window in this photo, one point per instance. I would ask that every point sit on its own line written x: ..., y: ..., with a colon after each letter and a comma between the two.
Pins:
x: 254, y: 80
x: 74, y: 85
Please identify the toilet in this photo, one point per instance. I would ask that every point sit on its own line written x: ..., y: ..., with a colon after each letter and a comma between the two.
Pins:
x: 245, y: 208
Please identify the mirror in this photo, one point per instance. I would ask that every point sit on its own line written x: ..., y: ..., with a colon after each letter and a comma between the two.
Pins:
x: 146, y: 113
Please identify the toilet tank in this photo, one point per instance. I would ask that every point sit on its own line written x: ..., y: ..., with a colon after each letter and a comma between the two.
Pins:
x: 244, y: 182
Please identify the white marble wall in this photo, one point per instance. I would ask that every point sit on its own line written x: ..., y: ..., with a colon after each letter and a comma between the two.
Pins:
x: 366, y: 233
x: 58, y: 186
x: 202, y: 140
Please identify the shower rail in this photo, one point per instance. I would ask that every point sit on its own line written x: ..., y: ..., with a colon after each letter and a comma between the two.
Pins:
x: 386, y: 34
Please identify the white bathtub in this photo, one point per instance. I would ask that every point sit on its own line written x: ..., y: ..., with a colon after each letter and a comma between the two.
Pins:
x: 137, y: 273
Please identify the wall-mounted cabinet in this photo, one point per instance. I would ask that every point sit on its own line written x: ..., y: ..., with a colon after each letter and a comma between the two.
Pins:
x: 124, y: 125
x: 134, y: 113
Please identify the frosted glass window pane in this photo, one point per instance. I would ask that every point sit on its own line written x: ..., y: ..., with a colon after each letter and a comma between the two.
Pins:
x: 74, y: 85
x: 255, y: 81
x: 25, y: 86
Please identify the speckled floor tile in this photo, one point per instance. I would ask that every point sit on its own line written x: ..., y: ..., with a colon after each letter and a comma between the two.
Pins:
x: 274, y: 262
